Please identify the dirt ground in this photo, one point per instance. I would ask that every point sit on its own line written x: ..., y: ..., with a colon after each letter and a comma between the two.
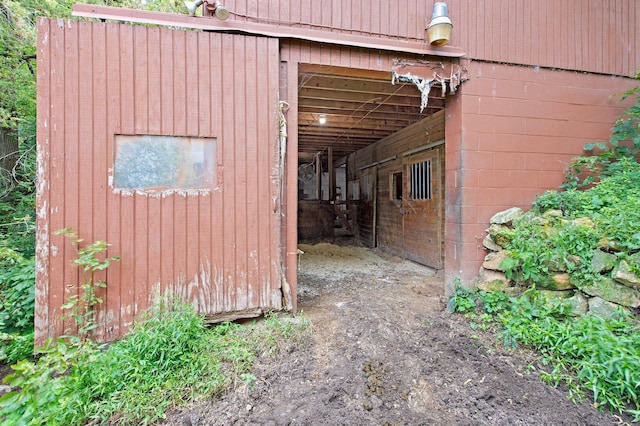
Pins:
x: 384, y: 351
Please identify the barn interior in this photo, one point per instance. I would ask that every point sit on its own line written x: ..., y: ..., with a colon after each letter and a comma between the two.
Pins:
x: 350, y: 122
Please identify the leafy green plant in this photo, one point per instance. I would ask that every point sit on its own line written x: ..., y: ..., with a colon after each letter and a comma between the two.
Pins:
x: 169, y: 358
x: 494, y: 301
x: 91, y: 260
x: 590, y: 355
x: 530, y: 252
x: 17, y: 300
x: 462, y: 299
x: 43, y: 387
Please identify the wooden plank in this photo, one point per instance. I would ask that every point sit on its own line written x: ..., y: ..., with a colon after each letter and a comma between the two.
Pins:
x: 520, y: 41
x: 154, y: 74
x: 71, y: 183
x: 196, y: 256
x: 181, y: 233
x: 140, y: 112
x: 374, y: 222
x: 100, y: 169
x: 86, y: 144
x: 43, y: 203
x: 233, y: 316
x: 288, y: 197
x: 131, y: 277
x: 568, y: 32
x: 206, y: 294
x: 216, y: 116
x: 259, y: 190
x: 255, y: 78
x: 165, y: 102
x: 403, y: 19
x: 332, y: 174
x: 242, y: 115
x: 141, y: 80
x: 117, y: 274
x: 156, y: 232
x: 228, y: 135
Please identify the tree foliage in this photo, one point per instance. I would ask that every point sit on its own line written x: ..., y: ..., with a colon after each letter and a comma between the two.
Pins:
x: 601, y: 158
x: 18, y: 163
x: 18, y: 116
x: 18, y: 108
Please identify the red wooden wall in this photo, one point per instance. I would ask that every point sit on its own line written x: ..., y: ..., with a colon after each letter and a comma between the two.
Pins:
x: 216, y: 247
x: 601, y: 36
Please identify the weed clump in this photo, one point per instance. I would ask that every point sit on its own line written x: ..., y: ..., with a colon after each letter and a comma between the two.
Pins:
x: 169, y: 358
x: 587, y: 353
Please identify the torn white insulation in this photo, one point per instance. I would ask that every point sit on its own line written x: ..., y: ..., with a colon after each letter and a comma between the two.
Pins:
x: 427, y: 75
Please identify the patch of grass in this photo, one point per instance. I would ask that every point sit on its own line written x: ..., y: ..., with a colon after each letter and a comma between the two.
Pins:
x: 168, y: 359
x: 587, y: 353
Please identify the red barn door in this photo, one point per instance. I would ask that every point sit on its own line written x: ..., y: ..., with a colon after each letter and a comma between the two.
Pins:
x: 164, y: 143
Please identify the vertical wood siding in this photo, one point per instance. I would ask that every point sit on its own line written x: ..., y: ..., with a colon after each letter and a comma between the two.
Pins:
x: 601, y: 36
x: 216, y: 248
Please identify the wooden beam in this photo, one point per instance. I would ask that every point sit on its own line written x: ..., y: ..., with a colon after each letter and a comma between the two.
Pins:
x: 342, y: 38
x: 332, y: 175
x: 318, y: 178
x: 232, y: 316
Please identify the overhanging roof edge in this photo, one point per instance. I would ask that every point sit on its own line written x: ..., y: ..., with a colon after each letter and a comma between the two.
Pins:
x: 278, y: 31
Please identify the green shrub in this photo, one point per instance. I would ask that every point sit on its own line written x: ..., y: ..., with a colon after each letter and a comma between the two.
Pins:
x: 462, y: 300
x: 530, y: 251
x: 17, y: 304
x: 612, y: 204
x: 169, y: 358
x: 588, y: 353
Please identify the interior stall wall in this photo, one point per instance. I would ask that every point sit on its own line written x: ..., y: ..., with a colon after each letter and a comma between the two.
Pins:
x: 511, y: 132
x: 214, y: 244
x: 391, y: 156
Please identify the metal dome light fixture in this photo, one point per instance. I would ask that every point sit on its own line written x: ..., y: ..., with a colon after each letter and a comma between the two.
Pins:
x: 439, y: 29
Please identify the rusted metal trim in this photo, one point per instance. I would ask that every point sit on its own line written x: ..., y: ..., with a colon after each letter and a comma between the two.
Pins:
x: 270, y: 30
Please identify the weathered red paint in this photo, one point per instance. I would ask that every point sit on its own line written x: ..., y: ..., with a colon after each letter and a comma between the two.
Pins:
x: 526, y: 109
x: 217, y: 247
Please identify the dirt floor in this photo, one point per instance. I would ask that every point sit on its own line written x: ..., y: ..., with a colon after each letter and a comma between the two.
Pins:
x: 384, y: 351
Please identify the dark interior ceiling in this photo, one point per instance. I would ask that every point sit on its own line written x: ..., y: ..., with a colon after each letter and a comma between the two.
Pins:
x: 360, y: 106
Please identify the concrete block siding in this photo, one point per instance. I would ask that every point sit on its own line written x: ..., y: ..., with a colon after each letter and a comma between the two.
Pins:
x: 519, y: 127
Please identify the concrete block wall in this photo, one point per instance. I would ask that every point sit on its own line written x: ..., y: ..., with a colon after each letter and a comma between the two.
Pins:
x: 511, y: 132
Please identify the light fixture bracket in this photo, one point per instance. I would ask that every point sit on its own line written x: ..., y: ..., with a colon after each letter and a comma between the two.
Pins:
x: 216, y: 8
